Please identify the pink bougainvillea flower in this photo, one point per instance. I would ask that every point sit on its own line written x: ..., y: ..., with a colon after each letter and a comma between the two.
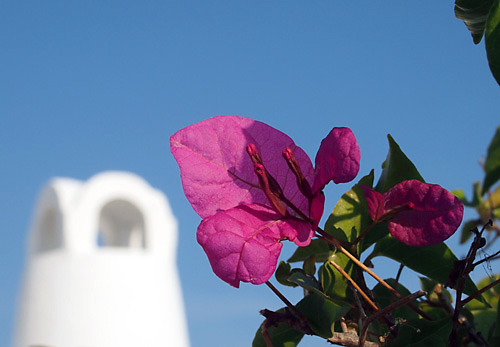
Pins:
x: 243, y: 243
x: 421, y: 214
x: 254, y: 188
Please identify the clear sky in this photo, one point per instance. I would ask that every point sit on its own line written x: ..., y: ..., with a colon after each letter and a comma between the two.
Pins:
x: 89, y: 86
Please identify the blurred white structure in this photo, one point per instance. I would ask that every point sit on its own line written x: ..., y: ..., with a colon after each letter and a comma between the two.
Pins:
x: 101, y: 268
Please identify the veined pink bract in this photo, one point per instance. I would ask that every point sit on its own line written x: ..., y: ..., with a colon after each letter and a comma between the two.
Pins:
x: 232, y: 168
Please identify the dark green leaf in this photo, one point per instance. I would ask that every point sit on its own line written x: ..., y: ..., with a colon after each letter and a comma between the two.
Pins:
x: 282, y: 335
x: 466, y: 232
x: 350, y: 215
x: 283, y: 272
x: 435, y: 262
x: 321, y: 313
x: 489, y: 296
x: 473, y: 13
x: 309, y: 266
x: 492, y: 40
x: 484, y: 321
x: 492, y: 163
x: 318, y: 247
x: 384, y: 298
x: 396, y: 168
x: 333, y: 282
x: 495, y: 338
x: 306, y: 282
x: 422, y: 333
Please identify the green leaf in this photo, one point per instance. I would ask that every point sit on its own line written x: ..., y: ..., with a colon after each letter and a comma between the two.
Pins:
x: 490, y: 296
x: 318, y: 247
x: 435, y: 262
x: 284, y: 272
x: 422, y: 333
x: 492, y: 163
x: 396, y: 168
x: 473, y: 13
x: 476, y: 197
x: 321, y: 313
x: 384, y: 298
x: 333, y: 282
x: 282, y: 335
x: 306, y: 282
x: 495, y: 338
x: 466, y: 233
x: 492, y: 40
x: 350, y: 215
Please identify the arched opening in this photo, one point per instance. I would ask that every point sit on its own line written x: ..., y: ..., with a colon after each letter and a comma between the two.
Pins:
x: 49, y: 235
x: 121, y: 224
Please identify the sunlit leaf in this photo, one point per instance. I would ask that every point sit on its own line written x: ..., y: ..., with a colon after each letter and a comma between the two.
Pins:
x: 396, y: 168
x: 333, y: 282
x: 492, y: 163
x: 350, y: 215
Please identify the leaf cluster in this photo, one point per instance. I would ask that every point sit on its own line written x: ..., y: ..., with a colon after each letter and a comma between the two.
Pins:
x: 482, y: 18
x: 334, y: 307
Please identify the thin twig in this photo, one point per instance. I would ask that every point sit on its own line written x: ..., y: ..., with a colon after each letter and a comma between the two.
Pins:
x: 480, y: 291
x: 403, y: 301
x: 354, y: 284
x: 334, y: 242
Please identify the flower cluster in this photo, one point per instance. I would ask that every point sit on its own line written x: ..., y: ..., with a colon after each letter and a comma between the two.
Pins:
x: 253, y: 188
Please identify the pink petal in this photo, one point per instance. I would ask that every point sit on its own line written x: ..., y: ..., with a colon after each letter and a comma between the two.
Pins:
x: 317, y: 208
x: 375, y: 202
x: 428, y: 215
x: 216, y: 171
x: 337, y: 158
x: 243, y: 243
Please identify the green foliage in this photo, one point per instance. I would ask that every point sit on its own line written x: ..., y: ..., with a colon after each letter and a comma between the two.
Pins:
x: 281, y: 335
x: 396, y: 168
x: 321, y: 313
x: 329, y: 295
x: 492, y: 40
x: 435, y: 262
x: 492, y: 163
x: 318, y: 247
x: 474, y: 14
x: 422, y: 333
x: 350, y: 216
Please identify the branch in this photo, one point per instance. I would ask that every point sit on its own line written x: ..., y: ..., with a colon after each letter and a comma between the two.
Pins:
x: 350, y: 339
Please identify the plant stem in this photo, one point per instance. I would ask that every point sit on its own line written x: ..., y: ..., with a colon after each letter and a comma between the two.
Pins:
x: 479, y: 292
x: 285, y: 300
x: 354, y: 284
x: 323, y: 235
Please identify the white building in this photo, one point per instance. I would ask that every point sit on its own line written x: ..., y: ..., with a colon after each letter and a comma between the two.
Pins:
x: 101, y: 268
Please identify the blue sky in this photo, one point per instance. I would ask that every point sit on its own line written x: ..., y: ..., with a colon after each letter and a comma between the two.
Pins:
x: 92, y: 86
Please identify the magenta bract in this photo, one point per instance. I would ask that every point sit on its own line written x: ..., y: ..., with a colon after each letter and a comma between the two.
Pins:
x: 243, y: 243
x: 252, y: 185
x: 216, y: 171
x: 432, y: 216
x: 421, y: 214
x: 337, y: 159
